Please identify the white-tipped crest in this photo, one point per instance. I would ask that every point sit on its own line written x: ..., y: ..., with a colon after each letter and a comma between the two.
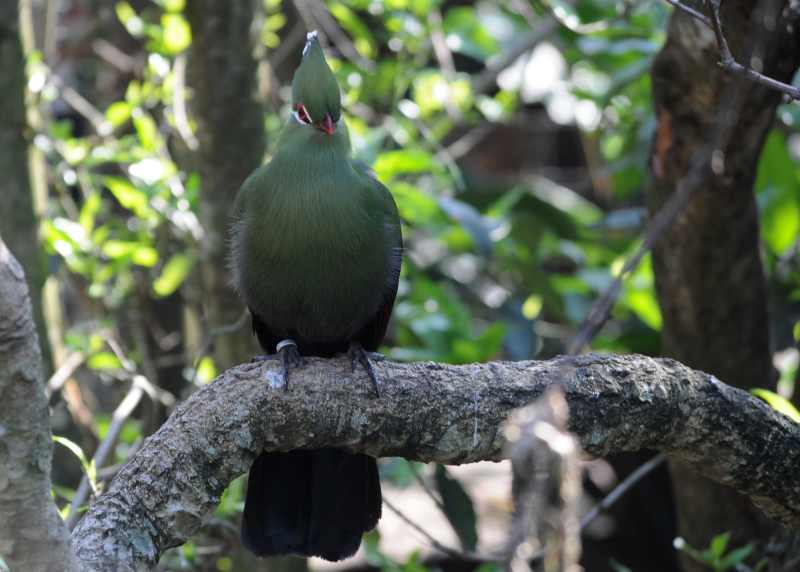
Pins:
x: 310, y: 38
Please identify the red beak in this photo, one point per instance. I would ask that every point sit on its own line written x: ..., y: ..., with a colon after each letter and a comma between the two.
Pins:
x: 327, y: 125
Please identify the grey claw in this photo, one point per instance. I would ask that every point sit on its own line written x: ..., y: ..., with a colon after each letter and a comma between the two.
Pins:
x: 291, y: 358
x: 360, y: 356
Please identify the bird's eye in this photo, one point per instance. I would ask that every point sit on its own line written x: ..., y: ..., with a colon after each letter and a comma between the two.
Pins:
x: 301, y: 114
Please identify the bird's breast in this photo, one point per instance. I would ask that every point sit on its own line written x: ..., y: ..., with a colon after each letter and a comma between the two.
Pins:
x: 316, y: 267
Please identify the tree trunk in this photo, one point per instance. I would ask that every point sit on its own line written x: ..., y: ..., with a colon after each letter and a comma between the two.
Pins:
x: 19, y: 222
x: 709, y: 277
x: 32, y: 535
x: 232, y: 140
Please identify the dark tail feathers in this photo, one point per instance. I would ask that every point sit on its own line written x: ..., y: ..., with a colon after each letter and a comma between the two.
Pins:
x: 310, y: 503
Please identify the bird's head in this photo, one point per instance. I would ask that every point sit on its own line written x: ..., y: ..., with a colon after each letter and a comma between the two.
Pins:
x: 315, y: 94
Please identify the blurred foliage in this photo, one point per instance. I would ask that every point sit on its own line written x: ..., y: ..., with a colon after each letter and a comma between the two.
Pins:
x: 498, y: 264
x: 719, y: 558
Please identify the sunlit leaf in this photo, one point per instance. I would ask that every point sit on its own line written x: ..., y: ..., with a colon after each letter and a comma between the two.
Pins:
x: 173, y: 274
x: 206, y: 370
x: 147, y: 130
x: 362, y: 37
x: 118, y: 113
x: 177, y: 34
x: 778, y: 403
x: 103, y: 360
x: 87, y: 465
x: 128, y: 195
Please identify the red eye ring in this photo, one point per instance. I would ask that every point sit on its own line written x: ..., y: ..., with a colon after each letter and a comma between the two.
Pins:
x: 301, y: 114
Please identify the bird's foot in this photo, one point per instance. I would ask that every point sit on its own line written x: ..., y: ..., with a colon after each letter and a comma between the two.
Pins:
x: 358, y: 355
x: 290, y: 357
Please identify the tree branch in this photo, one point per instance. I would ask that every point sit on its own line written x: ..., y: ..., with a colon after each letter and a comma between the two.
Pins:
x: 430, y: 412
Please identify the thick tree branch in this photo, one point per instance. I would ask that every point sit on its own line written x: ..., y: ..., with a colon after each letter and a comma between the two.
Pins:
x: 431, y: 412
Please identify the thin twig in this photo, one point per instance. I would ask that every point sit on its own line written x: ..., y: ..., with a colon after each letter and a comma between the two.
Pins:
x: 118, y: 418
x: 453, y: 552
x: 330, y: 26
x: 179, y: 104
x: 424, y: 486
x: 727, y: 62
x: 691, y: 11
x: 445, y: 58
x: 223, y: 330
x: 64, y: 372
x: 622, y: 488
x: 691, y: 182
x: 467, y: 142
x: 487, y: 78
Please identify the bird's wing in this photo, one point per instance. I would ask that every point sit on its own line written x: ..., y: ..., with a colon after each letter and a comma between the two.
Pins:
x: 372, y: 334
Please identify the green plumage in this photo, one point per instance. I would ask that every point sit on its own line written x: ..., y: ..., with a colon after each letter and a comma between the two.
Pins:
x: 316, y: 241
x: 315, y: 253
x: 316, y: 238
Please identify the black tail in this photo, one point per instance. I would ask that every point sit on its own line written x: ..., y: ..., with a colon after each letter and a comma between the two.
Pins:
x: 310, y: 503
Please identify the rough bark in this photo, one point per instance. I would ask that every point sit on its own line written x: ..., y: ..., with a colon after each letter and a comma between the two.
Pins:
x: 708, y: 272
x: 19, y: 223
x: 32, y: 536
x: 431, y: 412
x: 232, y: 140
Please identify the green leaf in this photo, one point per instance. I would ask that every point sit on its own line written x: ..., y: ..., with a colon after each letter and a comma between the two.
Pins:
x: 719, y: 543
x: 129, y: 196
x: 118, y: 113
x: 362, y: 37
x: 177, y: 33
x: 88, y: 466
x: 147, y: 130
x: 172, y: 5
x: 393, y: 163
x: 104, y: 360
x: 206, y: 370
x: 89, y: 211
x: 432, y: 91
x: 736, y: 557
x: 467, y: 35
x: 127, y: 15
x: 128, y: 250
x: 415, y: 206
x: 778, y: 194
x: 173, y: 274
x: 617, y: 567
x: 778, y: 403
x: 458, y: 508
x: 470, y: 220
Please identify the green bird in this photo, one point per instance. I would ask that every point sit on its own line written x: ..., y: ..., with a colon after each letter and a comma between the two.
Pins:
x: 316, y: 252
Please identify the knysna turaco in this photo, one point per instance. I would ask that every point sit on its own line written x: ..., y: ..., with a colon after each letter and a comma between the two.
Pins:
x: 316, y: 253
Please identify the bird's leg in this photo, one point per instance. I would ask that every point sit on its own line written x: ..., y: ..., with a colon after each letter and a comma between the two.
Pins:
x: 358, y: 355
x: 290, y: 357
